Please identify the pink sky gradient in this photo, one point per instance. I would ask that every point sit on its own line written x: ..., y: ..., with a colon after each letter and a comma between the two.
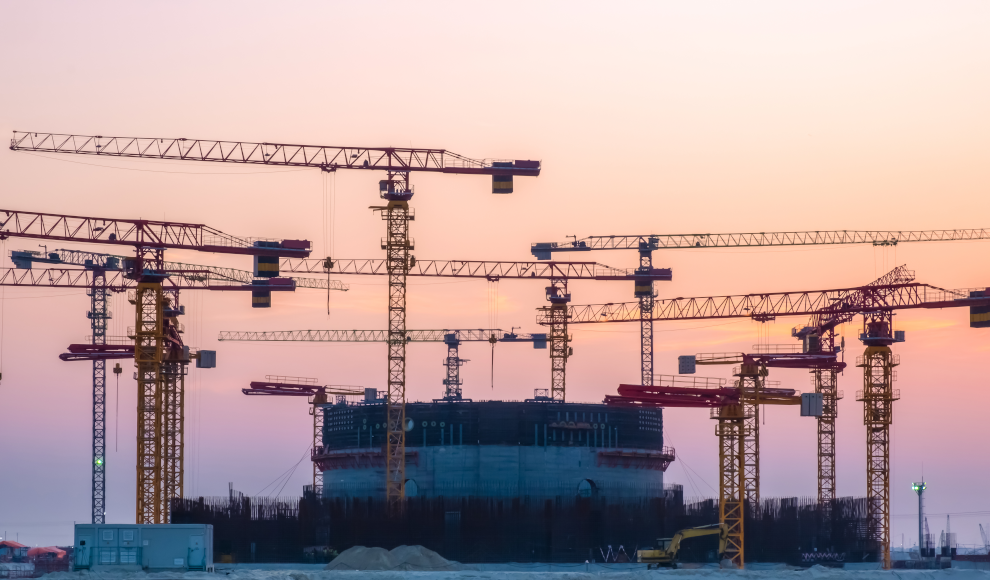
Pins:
x: 651, y: 117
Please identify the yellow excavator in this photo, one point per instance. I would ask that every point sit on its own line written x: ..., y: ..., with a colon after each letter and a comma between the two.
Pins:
x: 665, y: 554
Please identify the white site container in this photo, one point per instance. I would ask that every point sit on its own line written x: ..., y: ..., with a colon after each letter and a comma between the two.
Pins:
x: 143, y: 547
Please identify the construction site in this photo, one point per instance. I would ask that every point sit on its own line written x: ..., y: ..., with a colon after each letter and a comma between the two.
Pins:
x: 627, y: 400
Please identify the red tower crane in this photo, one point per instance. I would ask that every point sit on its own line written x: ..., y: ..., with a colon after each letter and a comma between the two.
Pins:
x: 159, y: 354
x: 317, y: 396
x: 397, y: 163
x: 876, y: 302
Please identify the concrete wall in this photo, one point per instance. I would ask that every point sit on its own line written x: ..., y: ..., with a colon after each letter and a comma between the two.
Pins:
x: 501, y: 471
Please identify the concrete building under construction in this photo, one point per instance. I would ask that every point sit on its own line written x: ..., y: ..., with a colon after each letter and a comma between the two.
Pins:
x: 498, y: 449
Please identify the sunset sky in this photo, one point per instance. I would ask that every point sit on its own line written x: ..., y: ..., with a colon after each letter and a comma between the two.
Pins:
x: 649, y: 117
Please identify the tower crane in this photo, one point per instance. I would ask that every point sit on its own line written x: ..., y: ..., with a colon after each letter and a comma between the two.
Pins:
x: 98, y: 351
x: 818, y: 336
x: 62, y: 256
x: 647, y: 244
x: 752, y: 370
x: 876, y: 303
x: 557, y: 273
x: 158, y: 351
x: 739, y: 425
x: 825, y: 380
x: 555, y: 313
x: 99, y: 283
x: 451, y: 338
x: 731, y: 406
x: 317, y: 396
x: 397, y: 163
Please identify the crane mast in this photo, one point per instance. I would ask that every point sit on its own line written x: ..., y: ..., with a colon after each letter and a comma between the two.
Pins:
x: 876, y: 303
x: 159, y: 354
x: 731, y: 407
x: 97, y: 266
x: 98, y: 315
x: 558, y: 274
x: 645, y: 245
x: 396, y: 189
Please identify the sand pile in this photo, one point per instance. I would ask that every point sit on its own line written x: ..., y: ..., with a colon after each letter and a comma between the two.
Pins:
x: 407, y: 558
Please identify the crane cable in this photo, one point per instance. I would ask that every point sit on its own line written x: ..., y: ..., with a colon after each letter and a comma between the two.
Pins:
x: 116, y: 419
x: 3, y: 309
x: 493, y: 322
x: 329, y: 229
x: 326, y: 249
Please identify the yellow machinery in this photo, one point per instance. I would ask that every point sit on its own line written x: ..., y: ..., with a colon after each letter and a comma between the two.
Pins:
x: 733, y: 408
x: 665, y: 554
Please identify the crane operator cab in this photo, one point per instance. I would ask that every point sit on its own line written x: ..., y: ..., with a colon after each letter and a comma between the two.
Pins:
x: 665, y: 554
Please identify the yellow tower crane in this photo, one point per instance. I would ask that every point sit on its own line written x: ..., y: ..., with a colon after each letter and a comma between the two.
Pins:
x: 876, y: 302
x: 397, y: 163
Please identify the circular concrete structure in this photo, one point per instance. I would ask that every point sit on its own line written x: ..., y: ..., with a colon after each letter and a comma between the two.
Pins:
x: 498, y: 449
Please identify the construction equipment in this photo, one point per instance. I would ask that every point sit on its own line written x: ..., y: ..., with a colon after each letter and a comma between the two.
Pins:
x: 97, y: 267
x: 398, y: 163
x: 558, y: 273
x: 876, y: 302
x: 752, y: 370
x: 317, y: 396
x: 665, y: 554
x: 818, y: 336
x: 194, y: 272
x: 100, y: 284
x: 986, y: 541
x: 451, y: 338
x: 647, y: 244
x: 729, y: 406
x: 824, y: 379
x: 159, y: 354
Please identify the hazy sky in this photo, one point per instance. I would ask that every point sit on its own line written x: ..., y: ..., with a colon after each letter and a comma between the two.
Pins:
x: 653, y: 117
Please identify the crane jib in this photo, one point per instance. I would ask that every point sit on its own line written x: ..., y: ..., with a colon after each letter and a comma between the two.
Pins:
x: 327, y: 158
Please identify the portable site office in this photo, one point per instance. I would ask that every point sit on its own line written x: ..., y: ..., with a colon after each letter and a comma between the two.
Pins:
x: 143, y: 546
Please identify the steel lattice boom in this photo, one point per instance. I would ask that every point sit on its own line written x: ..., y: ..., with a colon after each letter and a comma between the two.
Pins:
x: 557, y: 273
x: 328, y: 158
x: 767, y: 306
x: 195, y: 272
x: 117, y: 281
x: 279, y: 386
x: 828, y: 308
x: 760, y: 239
x: 463, y: 335
x: 450, y: 337
x: 159, y: 354
x: 645, y: 245
x: 471, y: 269
x: 398, y: 163
x: 139, y: 233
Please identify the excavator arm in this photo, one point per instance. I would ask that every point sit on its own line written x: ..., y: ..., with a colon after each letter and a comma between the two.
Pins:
x: 711, y: 530
x: 666, y: 554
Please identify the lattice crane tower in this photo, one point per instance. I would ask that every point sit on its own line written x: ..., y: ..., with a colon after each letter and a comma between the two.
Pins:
x: 158, y: 351
x: 876, y: 302
x: 397, y: 162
